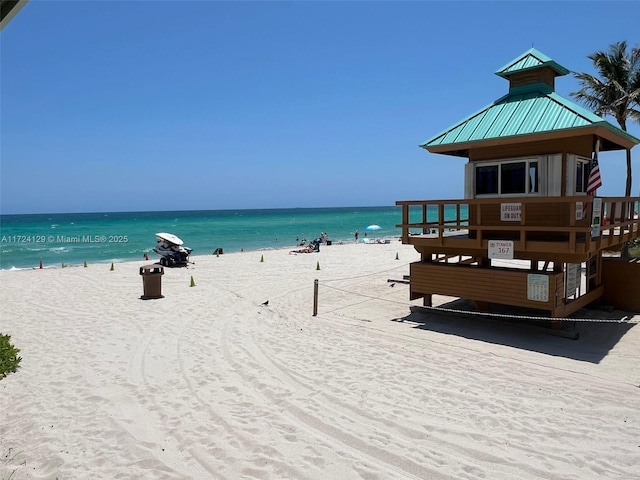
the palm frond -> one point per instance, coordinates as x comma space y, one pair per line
615, 90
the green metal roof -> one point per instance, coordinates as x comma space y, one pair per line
525, 110
530, 59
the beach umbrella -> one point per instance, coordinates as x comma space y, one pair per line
374, 227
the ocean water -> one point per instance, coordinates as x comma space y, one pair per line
73, 238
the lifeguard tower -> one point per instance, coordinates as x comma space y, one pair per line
526, 234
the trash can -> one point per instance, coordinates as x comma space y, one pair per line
152, 281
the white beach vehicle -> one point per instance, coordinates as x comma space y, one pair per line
171, 249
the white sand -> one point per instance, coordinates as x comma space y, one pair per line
207, 383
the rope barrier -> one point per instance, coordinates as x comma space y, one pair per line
483, 314
530, 318
366, 274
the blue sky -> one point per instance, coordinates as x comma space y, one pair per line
124, 106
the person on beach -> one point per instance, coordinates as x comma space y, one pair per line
308, 249
356, 235
313, 246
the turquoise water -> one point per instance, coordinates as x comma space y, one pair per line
74, 238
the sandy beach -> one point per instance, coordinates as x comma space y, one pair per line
212, 383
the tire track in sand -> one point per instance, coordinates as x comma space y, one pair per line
252, 365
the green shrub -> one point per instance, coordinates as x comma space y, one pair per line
9, 359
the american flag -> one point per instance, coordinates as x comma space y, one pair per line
595, 181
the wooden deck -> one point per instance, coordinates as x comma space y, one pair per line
454, 236
550, 228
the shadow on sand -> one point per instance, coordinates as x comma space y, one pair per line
587, 341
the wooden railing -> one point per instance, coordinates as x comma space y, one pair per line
523, 219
